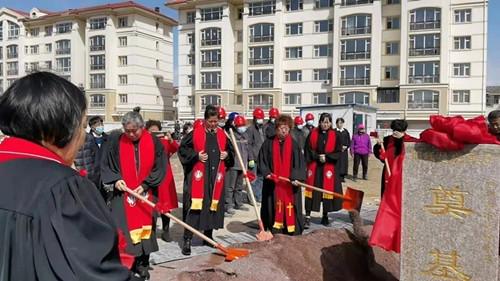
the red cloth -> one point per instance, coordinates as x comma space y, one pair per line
139, 214
198, 173
328, 168
283, 199
167, 195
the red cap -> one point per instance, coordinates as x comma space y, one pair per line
239, 121
221, 113
298, 120
258, 113
309, 116
274, 113
197, 123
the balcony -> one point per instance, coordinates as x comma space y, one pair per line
97, 104
354, 81
414, 52
12, 55
421, 105
356, 30
425, 25
260, 61
63, 70
211, 42
66, 51
209, 86
423, 79
261, 38
210, 63
260, 84
12, 71
355, 2
97, 66
97, 48
355, 55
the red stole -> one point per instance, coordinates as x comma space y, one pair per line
12, 148
283, 191
199, 171
167, 195
328, 168
138, 214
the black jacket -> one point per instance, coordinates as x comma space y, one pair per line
89, 158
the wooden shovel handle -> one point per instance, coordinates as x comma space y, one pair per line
317, 189
387, 167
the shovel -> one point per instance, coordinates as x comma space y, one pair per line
229, 253
381, 142
262, 235
353, 198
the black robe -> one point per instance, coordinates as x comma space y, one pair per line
329, 205
111, 173
270, 130
203, 219
343, 163
398, 143
298, 172
54, 225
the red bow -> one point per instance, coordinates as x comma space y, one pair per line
83, 173
251, 176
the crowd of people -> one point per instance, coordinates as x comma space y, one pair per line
65, 212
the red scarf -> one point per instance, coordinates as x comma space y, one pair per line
284, 200
328, 168
199, 172
12, 148
139, 215
167, 195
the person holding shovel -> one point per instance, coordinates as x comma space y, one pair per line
281, 156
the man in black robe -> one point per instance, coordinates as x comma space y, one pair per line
345, 140
266, 168
269, 127
134, 153
205, 153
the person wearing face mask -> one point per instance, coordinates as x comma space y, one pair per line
298, 133
269, 128
89, 156
309, 122
230, 121
345, 138
256, 137
233, 183
221, 115
361, 148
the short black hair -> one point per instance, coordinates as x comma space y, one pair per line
211, 111
399, 125
187, 126
340, 119
94, 120
493, 115
151, 123
325, 115
42, 107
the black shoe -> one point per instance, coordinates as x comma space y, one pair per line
143, 273
325, 221
307, 223
365, 178
165, 236
186, 248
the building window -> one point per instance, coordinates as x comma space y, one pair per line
356, 25
463, 16
425, 45
239, 35
48, 65
323, 74
157, 26
211, 36
190, 17
157, 64
462, 43
322, 98
293, 99
123, 98
355, 75
355, 49
13, 30
211, 58
322, 51
34, 32
34, 50
355, 97
10, 82
190, 38
123, 79
293, 52
97, 62
392, 2
423, 72
1, 30
391, 72
393, 23
323, 26
240, 13
239, 79
211, 80
461, 69
264, 102
261, 79
12, 52
157, 45
63, 65
239, 57
63, 47
262, 32
211, 14
48, 48
293, 75
425, 18
461, 96
123, 41
97, 101
48, 30
388, 95
190, 59
392, 48
97, 81
98, 43
12, 68
423, 99
355, 2
122, 22
63, 27
261, 55
294, 5
97, 23
190, 101
318, 4
293, 28
123, 61
191, 80
209, 100
262, 8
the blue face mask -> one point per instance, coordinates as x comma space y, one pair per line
242, 130
99, 130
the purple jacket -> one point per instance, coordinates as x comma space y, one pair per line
361, 144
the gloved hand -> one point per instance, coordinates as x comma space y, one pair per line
251, 164
251, 176
275, 178
382, 155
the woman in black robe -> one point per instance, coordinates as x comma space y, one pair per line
54, 224
345, 139
322, 158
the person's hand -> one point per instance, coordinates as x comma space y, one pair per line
344, 148
139, 189
382, 155
168, 137
397, 134
295, 183
275, 178
223, 155
322, 158
251, 164
202, 156
120, 185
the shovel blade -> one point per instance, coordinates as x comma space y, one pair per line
353, 199
233, 253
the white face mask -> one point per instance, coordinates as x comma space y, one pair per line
310, 122
221, 124
397, 134
242, 130
300, 127
99, 130
260, 121
272, 120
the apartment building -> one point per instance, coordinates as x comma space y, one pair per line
121, 54
407, 58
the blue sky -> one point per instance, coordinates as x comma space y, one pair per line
58, 5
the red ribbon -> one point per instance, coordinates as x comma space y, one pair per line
251, 176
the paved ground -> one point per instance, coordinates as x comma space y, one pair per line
242, 227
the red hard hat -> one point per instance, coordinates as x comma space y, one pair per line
274, 112
309, 116
221, 113
258, 113
197, 123
298, 120
239, 121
